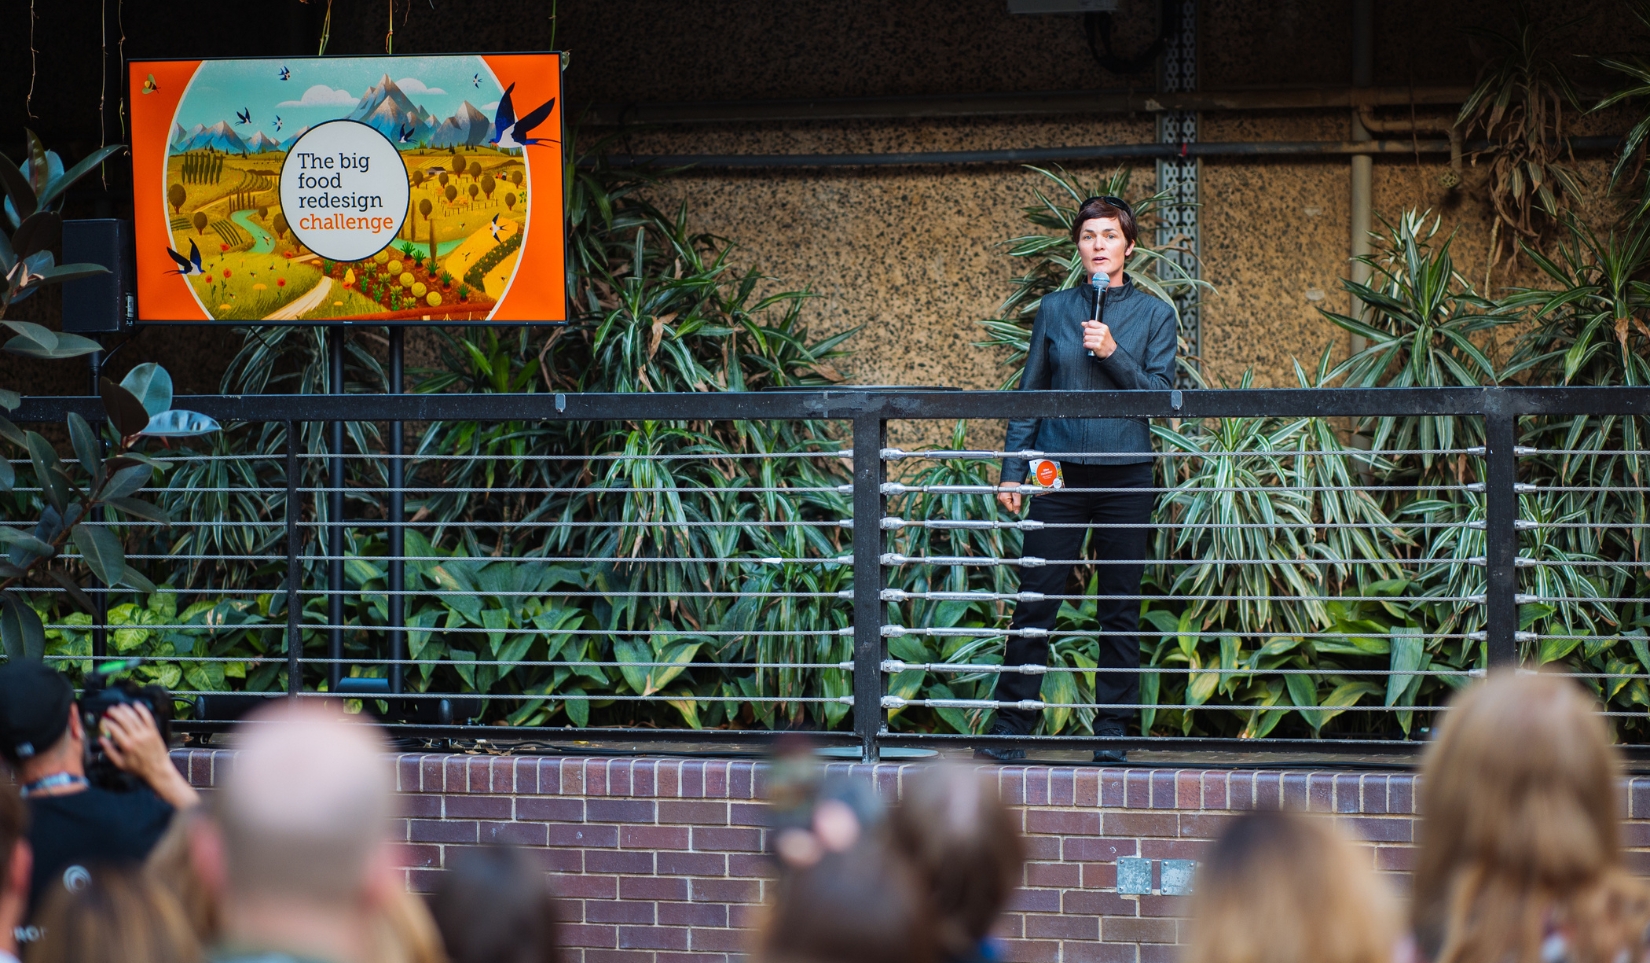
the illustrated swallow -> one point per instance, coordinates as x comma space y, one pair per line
494, 227
277, 123
475, 80
406, 134
187, 265
286, 74
243, 116
149, 85
509, 132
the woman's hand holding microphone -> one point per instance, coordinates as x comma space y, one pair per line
1097, 338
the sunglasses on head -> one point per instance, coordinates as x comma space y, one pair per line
1111, 199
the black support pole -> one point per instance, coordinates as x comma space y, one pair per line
1501, 538
398, 512
869, 433
335, 517
294, 605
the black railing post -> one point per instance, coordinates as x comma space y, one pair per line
398, 515
1501, 535
294, 606
335, 519
869, 432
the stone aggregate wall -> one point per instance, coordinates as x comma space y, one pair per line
662, 860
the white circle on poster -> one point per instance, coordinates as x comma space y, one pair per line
344, 190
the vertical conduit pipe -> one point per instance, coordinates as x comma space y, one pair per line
335, 516
398, 516
1363, 165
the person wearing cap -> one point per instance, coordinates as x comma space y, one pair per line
73, 824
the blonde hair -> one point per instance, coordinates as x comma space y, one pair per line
404, 932
1282, 887
1521, 831
117, 918
170, 866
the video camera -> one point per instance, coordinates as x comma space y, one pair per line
103, 692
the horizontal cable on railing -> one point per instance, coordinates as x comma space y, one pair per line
1523, 562
279, 659
443, 630
433, 523
702, 456
1031, 561
900, 488
897, 454
889, 631
843, 489
894, 522
895, 666
895, 702
901, 595
525, 696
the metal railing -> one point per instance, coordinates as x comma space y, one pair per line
881, 566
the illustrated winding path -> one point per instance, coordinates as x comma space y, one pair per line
304, 303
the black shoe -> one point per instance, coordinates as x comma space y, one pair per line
1000, 753
1111, 757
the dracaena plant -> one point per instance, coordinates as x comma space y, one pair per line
107, 470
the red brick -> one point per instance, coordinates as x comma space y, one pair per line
1142, 824
653, 837
1159, 953
1043, 847
617, 911
619, 810
1174, 848
1188, 790
691, 779
741, 780
516, 834
1063, 822
583, 835
1053, 874
441, 831
712, 839
559, 860
552, 808
618, 956
692, 864
1061, 927
1120, 930
1099, 953
747, 814
420, 806
1099, 875
1062, 787
653, 887
418, 857
653, 937
693, 812
1165, 784
1295, 792
1202, 825
1035, 900
614, 861
1398, 829
1086, 788
1113, 787
1137, 789
727, 941
744, 915
1027, 951
579, 934
1214, 791
693, 914
585, 886
750, 864
726, 891
1164, 906
1096, 849
1096, 904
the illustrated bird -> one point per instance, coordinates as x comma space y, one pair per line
187, 265
494, 227
286, 74
277, 123
243, 116
149, 85
406, 134
510, 132
475, 80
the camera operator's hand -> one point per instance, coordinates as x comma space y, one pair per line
134, 745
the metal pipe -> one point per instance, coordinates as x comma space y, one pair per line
1363, 166
335, 515
870, 437
1016, 104
1430, 125
397, 574
294, 572
678, 163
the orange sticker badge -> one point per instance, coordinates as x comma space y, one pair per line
1047, 473
372, 190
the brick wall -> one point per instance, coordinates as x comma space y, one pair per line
660, 860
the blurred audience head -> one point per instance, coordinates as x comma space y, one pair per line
493, 905
117, 917
404, 932
299, 850
966, 849
844, 896
1283, 887
16, 863
171, 866
1520, 838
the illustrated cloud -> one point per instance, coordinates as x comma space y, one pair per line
321, 95
491, 106
412, 85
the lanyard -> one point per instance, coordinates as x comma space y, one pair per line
53, 781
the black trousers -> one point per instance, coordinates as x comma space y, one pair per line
1118, 555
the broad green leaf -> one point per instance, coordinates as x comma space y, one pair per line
1407, 651
47, 470
87, 447
20, 629
126, 481
138, 508
151, 385
101, 551
124, 409
178, 423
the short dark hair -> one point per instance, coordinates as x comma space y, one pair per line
1105, 206
493, 905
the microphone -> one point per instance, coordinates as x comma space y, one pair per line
1100, 281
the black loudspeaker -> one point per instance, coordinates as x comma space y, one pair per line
104, 302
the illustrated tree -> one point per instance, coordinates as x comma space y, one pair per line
280, 225
263, 212
516, 178
175, 196
487, 185
509, 201
458, 164
442, 180
425, 207
450, 193
200, 222
473, 191
475, 170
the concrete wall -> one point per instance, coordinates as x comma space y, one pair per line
662, 860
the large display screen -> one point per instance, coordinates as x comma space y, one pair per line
349, 190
